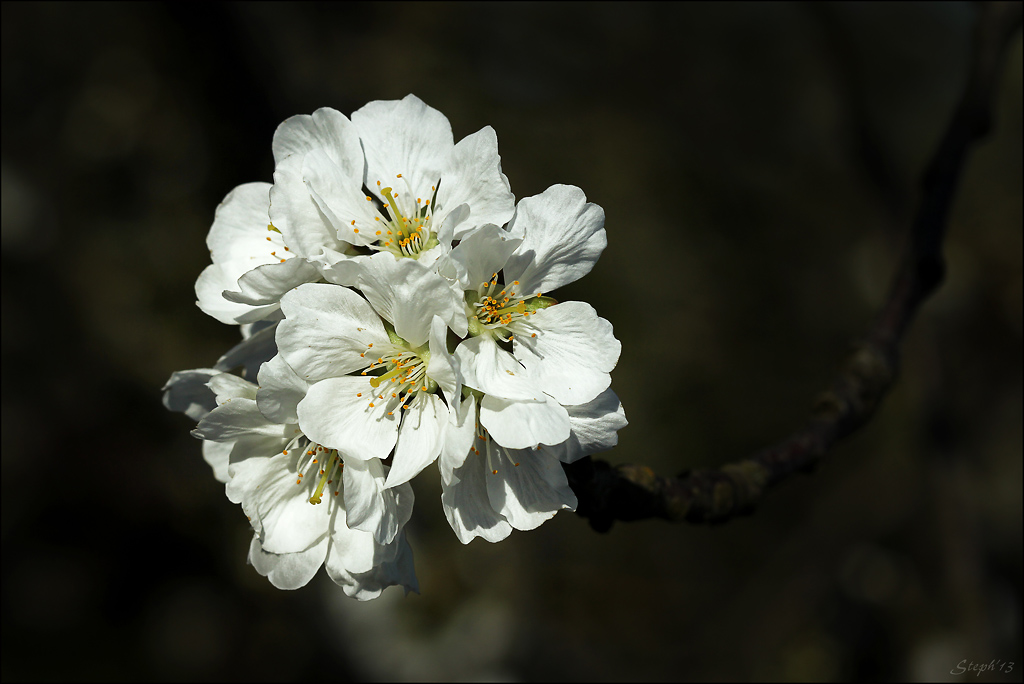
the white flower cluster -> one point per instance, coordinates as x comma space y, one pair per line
392, 302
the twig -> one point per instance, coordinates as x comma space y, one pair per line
631, 492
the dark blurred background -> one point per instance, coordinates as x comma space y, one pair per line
758, 165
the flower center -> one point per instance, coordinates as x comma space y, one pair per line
320, 461
404, 377
402, 226
494, 306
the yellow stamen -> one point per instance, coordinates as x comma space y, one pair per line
315, 499
375, 382
392, 205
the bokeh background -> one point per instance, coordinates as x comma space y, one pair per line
758, 165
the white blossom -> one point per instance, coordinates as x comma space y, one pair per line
492, 489
389, 181
530, 355
394, 322
337, 343
288, 486
252, 266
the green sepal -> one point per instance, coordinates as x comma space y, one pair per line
393, 336
542, 302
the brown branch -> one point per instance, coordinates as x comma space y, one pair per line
631, 492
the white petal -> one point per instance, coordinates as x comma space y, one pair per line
211, 284
572, 353
256, 349
253, 350
234, 419
227, 386
238, 242
187, 392
455, 217
431, 256
408, 295
290, 522
595, 427
404, 137
216, 454
256, 447
328, 130
419, 438
467, 506
344, 271
459, 435
265, 284
369, 585
280, 392
334, 415
481, 254
472, 176
239, 229
521, 424
528, 488
443, 368
353, 550
289, 570
326, 329
306, 231
487, 367
340, 199
370, 506
563, 235
246, 467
